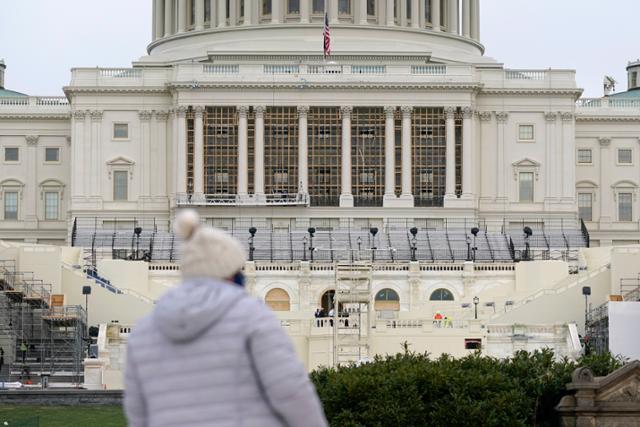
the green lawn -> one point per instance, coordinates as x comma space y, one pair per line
57, 416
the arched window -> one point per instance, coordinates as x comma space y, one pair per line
441, 295
326, 302
387, 300
278, 300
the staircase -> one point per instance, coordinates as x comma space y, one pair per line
352, 330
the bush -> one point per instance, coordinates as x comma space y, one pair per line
410, 389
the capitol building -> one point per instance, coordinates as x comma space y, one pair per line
405, 166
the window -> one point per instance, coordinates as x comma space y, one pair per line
120, 185
625, 209
371, 7
51, 154
266, 7
344, 7
293, 7
10, 205
634, 80
120, 131
525, 133
51, 206
318, 6
278, 300
387, 300
585, 206
585, 156
441, 295
625, 156
409, 9
526, 187
11, 154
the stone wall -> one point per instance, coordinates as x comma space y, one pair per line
61, 398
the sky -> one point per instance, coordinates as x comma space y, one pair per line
41, 40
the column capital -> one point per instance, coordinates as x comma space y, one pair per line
79, 114
32, 139
259, 110
502, 116
181, 111
550, 117
243, 110
407, 110
450, 112
485, 116
199, 111
567, 117
467, 113
145, 115
389, 111
96, 116
161, 115
303, 110
346, 111
604, 142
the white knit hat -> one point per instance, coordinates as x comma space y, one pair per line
207, 252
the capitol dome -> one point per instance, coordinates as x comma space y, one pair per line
442, 30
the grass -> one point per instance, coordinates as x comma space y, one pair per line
62, 416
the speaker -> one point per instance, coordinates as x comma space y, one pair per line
86, 290
586, 290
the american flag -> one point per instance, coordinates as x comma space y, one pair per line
327, 37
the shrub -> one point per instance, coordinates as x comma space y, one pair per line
410, 389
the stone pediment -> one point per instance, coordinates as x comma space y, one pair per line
526, 163
121, 161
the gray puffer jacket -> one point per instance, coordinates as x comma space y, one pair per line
210, 355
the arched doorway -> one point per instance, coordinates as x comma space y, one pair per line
327, 301
278, 300
387, 300
441, 295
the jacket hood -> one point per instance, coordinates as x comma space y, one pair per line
185, 312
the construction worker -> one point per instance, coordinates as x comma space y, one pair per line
23, 350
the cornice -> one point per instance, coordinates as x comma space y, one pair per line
461, 87
531, 91
35, 116
581, 118
102, 89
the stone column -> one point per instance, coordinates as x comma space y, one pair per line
435, 15
198, 154
390, 154
181, 144
407, 167
467, 160
168, 17
362, 13
158, 13
466, 18
145, 151
77, 159
305, 7
607, 199
259, 153
346, 197
222, 13
158, 177
243, 151
390, 13
568, 158
303, 151
96, 157
501, 119
415, 14
475, 19
450, 185
182, 16
199, 15
550, 125
276, 11
248, 13
453, 17
332, 10
30, 196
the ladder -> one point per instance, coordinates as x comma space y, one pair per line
353, 313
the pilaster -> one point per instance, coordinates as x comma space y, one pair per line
346, 197
198, 154
450, 183
407, 166
159, 156
181, 149
259, 153
243, 151
303, 151
96, 154
30, 199
501, 121
145, 152
389, 155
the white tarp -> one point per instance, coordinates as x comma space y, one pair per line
624, 329
10, 386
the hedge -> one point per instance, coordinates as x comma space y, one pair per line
411, 389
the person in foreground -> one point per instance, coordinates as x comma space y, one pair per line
211, 355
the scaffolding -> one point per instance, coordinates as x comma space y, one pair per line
353, 313
42, 340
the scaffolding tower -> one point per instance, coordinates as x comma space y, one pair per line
353, 313
41, 340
